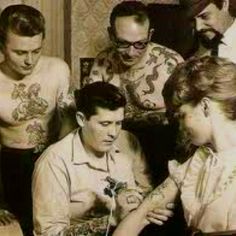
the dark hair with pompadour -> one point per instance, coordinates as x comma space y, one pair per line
22, 20
98, 94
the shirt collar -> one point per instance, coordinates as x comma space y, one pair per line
229, 34
79, 155
226, 156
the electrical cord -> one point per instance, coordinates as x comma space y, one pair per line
113, 191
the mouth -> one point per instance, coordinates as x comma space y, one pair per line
27, 67
108, 142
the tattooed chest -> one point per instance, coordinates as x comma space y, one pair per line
24, 103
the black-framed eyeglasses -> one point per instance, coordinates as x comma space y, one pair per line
125, 44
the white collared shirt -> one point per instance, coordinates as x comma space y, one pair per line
68, 185
227, 48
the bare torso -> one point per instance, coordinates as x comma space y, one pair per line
27, 106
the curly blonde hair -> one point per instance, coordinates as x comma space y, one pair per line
211, 77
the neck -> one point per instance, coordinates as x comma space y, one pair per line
224, 137
228, 22
9, 72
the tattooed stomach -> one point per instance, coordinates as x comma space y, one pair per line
26, 135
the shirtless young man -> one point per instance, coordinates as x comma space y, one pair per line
34, 92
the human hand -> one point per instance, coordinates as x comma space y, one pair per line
159, 216
127, 200
6, 217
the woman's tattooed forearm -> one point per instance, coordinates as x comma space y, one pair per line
159, 192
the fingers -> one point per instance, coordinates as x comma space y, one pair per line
6, 217
159, 216
134, 198
170, 206
155, 221
163, 212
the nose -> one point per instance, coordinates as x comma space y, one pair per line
28, 59
131, 51
198, 24
113, 131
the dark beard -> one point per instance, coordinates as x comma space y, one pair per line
209, 43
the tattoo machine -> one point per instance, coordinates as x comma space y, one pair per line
113, 186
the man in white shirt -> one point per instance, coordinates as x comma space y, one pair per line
215, 26
76, 180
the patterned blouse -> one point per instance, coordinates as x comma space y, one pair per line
207, 183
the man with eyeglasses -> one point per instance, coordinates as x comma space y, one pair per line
133, 63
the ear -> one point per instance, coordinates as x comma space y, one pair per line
110, 33
151, 31
225, 5
80, 118
205, 105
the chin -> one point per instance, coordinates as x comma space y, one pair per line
129, 64
104, 149
198, 142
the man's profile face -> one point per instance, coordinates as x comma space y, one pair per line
210, 22
127, 32
102, 129
22, 52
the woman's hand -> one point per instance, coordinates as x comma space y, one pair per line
159, 216
6, 217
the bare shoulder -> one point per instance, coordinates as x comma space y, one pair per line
167, 53
54, 64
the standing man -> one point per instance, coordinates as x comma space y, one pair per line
34, 93
76, 180
133, 63
215, 26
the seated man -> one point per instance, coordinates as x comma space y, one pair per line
76, 179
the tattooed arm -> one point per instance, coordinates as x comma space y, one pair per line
95, 226
65, 102
133, 224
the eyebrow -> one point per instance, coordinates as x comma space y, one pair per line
122, 40
20, 50
203, 14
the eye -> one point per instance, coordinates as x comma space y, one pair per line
119, 123
205, 16
105, 123
37, 51
20, 53
141, 44
122, 44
